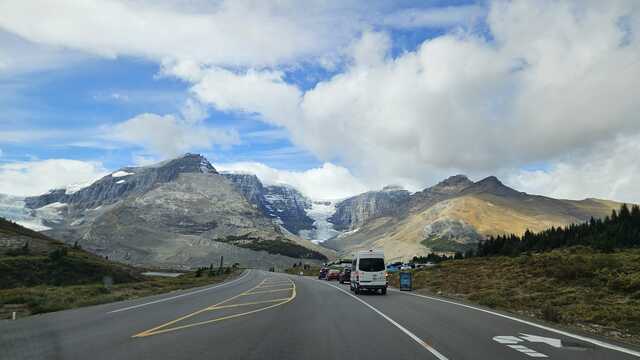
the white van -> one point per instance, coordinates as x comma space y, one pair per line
368, 272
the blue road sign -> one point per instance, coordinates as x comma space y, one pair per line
405, 281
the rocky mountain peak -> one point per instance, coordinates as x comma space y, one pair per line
452, 184
189, 163
493, 185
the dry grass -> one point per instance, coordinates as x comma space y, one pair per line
576, 287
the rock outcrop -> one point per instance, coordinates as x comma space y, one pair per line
283, 203
357, 210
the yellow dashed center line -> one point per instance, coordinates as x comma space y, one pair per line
165, 327
268, 291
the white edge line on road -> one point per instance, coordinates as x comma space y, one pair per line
179, 296
579, 337
413, 336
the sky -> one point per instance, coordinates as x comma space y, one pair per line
333, 97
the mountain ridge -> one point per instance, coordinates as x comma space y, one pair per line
180, 212
456, 213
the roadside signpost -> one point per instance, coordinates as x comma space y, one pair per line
405, 281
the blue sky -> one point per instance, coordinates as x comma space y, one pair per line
96, 92
348, 96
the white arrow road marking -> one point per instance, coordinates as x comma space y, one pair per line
527, 351
512, 341
507, 339
557, 343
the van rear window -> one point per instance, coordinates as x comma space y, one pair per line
371, 264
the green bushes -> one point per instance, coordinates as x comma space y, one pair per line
626, 283
274, 246
61, 267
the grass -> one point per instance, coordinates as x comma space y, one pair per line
438, 244
64, 266
46, 298
576, 287
45, 275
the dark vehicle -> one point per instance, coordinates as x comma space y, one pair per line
333, 274
323, 273
345, 275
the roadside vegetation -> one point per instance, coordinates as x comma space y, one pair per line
44, 275
276, 246
580, 287
305, 269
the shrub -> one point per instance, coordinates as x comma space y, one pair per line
551, 313
626, 283
58, 254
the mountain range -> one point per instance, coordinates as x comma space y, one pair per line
179, 213
184, 213
453, 215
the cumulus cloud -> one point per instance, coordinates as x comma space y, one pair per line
216, 33
255, 92
607, 171
168, 135
39, 176
327, 182
561, 81
541, 83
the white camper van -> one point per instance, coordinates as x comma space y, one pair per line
368, 272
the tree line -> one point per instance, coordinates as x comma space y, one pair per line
619, 230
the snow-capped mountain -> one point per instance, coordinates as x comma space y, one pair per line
283, 203
179, 212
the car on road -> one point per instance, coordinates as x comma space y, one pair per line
345, 275
368, 272
333, 274
405, 267
323, 273
394, 267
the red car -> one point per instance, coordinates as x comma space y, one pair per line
333, 274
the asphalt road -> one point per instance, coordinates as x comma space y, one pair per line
274, 316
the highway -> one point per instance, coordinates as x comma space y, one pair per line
263, 315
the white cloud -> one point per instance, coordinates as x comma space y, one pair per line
39, 176
434, 17
551, 79
169, 136
18, 56
260, 92
327, 182
607, 171
562, 80
193, 112
235, 33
